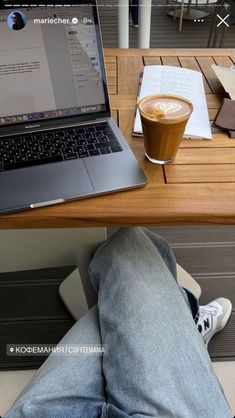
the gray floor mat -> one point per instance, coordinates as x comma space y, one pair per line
31, 312
208, 254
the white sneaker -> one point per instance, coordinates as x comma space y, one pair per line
213, 318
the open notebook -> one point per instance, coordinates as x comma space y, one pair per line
183, 82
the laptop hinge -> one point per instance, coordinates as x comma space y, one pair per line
54, 128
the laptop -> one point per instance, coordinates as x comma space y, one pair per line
58, 141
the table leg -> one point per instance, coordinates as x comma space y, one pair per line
213, 28
222, 37
181, 16
190, 14
189, 4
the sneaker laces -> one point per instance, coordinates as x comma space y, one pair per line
207, 310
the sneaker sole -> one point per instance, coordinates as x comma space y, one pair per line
224, 321
226, 318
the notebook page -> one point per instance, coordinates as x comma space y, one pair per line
185, 83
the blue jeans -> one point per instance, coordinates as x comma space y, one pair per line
157, 365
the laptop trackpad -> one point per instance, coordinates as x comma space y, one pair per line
42, 184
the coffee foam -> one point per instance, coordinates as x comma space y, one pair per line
166, 107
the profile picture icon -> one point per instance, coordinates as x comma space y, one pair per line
16, 20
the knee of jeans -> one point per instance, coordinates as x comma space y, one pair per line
112, 247
111, 411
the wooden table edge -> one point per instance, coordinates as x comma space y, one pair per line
178, 52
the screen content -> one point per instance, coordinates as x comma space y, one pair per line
49, 64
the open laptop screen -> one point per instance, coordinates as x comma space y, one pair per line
51, 64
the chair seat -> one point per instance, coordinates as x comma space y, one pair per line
185, 280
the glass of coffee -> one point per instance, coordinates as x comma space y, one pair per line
163, 117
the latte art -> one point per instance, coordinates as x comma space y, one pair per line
167, 107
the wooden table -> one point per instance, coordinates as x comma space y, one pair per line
198, 188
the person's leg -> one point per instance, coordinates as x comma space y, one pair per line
157, 364
67, 386
135, 11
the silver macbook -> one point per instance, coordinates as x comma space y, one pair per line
58, 141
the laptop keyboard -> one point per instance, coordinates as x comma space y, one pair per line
55, 146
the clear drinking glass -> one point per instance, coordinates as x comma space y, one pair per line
163, 117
